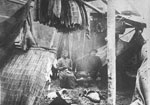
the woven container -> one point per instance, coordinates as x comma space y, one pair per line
24, 76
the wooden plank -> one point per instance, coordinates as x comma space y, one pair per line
30, 20
111, 53
92, 7
3, 16
148, 28
148, 45
21, 2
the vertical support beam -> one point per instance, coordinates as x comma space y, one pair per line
148, 32
148, 45
111, 53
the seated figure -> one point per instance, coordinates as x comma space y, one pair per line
89, 66
66, 75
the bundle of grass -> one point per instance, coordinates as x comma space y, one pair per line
23, 78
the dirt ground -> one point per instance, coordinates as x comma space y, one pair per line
123, 96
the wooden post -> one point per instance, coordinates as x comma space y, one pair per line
92, 7
111, 53
148, 45
148, 28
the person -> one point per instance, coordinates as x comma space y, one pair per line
94, 64
66, 75
90, 65
54, 69
141, 94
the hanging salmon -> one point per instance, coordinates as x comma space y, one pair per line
57, 8
75, 13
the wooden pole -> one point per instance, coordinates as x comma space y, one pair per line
148, 28
111, 53
92, 7
4, 16
30, 22
21, 2
148, 45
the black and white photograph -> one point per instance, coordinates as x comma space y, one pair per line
74, 52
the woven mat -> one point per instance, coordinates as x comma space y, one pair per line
23, 77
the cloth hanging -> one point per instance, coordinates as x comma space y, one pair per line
57, 8
11, 27
65, 15
20, 41
24, 39
75, 13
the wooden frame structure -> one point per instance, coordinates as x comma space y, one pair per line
111, 47
110, 43
111, 53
